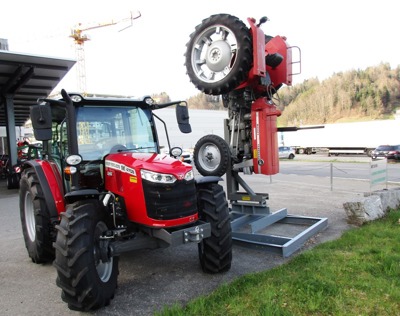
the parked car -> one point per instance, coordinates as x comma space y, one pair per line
388, 151
286, 152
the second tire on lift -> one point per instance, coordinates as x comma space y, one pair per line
211, 156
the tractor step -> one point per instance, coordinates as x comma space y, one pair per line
277, 232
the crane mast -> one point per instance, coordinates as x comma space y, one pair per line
79, 37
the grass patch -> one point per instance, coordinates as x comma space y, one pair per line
358, 274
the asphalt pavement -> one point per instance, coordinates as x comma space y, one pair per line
149, 280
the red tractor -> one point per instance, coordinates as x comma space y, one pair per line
102, 188
245, 66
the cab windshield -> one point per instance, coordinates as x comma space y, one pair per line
102, 130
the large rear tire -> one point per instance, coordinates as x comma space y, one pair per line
211, 156
219, 54
215, 252
87, 282
37, 228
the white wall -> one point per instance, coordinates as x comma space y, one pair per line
20, 132
361, 134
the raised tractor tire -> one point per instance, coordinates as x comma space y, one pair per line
215, 252
219, 54
87, 282
37, 229
211, 155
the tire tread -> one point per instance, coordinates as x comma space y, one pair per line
215, 252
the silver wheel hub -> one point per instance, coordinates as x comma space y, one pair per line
29, 213
104, 268
219, 56
209, 157
214, 53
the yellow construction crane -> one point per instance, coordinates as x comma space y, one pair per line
79, 37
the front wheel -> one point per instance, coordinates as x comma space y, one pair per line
35, 219
215, 252
211, 156
86, 277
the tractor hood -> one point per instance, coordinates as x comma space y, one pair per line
162, 163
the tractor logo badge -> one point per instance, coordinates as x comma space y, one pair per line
118, 166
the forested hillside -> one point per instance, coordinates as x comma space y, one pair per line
357, 95
373, 93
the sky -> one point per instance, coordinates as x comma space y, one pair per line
148, 57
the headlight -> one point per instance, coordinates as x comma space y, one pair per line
73, 160
149, 101
189, 175
157, 177
76, 98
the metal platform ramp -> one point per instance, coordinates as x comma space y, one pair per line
253, 225
278, 232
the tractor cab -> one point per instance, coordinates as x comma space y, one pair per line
78, 133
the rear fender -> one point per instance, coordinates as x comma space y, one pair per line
258, 36
281, 74
51, 184
278, 75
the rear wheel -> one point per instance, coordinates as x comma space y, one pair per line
211, 156
219, 54
35, 219
86, 276
215, 252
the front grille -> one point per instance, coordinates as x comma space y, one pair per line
170, 201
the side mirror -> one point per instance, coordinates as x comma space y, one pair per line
182, 116
41, 121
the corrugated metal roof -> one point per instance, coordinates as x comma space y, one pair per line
27, 78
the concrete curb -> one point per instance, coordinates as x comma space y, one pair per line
372, 206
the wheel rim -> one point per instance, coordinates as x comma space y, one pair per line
104, 269
214, 53
209, 157
29, 217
